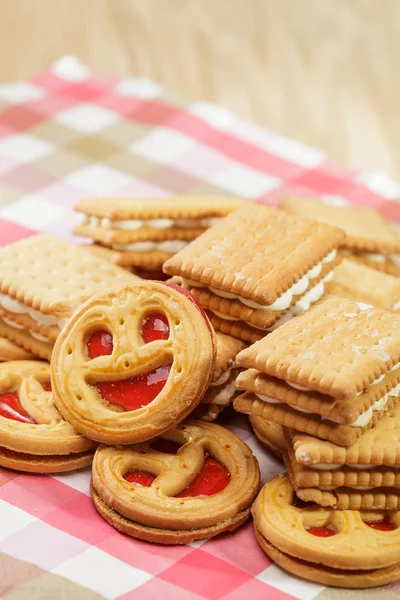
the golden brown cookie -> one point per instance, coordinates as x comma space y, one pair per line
361, 283
270, 434
350, 548
34, 436
60, 277
193, 482
25, 340
256, 264
132, 362
331, 372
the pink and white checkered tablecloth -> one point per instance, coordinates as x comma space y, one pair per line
69, 133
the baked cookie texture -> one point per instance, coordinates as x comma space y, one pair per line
176, 503
342, 548
136, 387
34, 436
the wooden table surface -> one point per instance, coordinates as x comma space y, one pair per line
326, 72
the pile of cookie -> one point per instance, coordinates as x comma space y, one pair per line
139, 369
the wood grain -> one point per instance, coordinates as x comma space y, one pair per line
322, 71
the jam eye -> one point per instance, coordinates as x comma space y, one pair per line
323, 531
386, 524
47, 386
212, 479
155, 327
10, 408
140, 478
100, 344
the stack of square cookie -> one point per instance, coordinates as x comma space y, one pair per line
42, 281
369, 238
331, 374
257, 268
145, 232
359, 282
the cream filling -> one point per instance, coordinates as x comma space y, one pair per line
361, 421
284, 300
16, 307
134, 224
171, 246
12, 323
225, 396
375, 382
222, 379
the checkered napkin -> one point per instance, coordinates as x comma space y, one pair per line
67, 134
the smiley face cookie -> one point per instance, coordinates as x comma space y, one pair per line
34, 436
133, 362
193, 482
342, 548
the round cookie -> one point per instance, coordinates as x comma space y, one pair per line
270, 434
352, 549
133, 362
193, 482
34, 436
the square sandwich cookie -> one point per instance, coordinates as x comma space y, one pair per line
369, 238
359, 282
258, 267
364, 476
37, 300
331, 372
145, 232
222, 388
25, 341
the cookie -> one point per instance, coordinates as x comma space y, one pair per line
361, 283
194, 482
41, 296
235, 329
270, 434
124, 258
385, 263
34, 436
26, 341
350, 549
366, 230
10, 351
145, 232
222, 388
132, 362
366, 475
257, 263
260, 319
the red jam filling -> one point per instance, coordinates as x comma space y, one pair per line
140, 478
192, 299
213, 478
385, 524
155, 327
321, 531
136, 392
165, 446
100, 344
10, 408
47, 386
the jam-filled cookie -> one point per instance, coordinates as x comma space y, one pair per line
33, 435
342, 548
193, 482
133, 362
